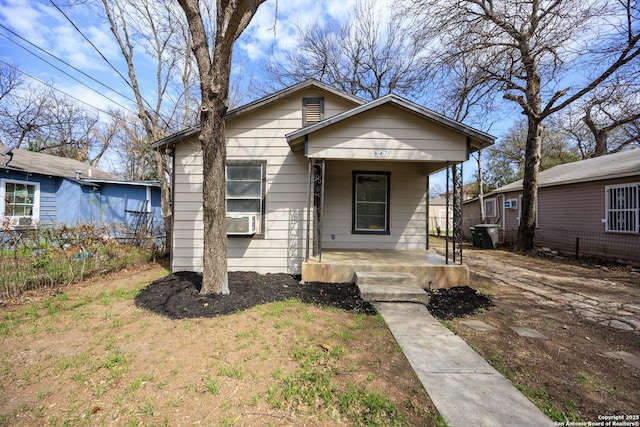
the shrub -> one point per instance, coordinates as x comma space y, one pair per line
61, 255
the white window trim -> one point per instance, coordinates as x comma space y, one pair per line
35, 217
608, 209
492, 202
537, 219
261, 221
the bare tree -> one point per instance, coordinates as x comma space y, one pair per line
214, 66
24, 112
529, 48
366, 55
152, 29
10, 80
612, 114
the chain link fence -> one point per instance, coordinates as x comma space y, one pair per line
576, 243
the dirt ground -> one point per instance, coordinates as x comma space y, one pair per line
145, 348
584, 310
54, 372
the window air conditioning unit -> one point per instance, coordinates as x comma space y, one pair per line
244, 225
21, 222
511, 204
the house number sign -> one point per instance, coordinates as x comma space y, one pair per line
380, 153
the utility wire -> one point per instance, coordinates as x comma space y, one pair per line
91, 43
70, 76
103, 57
67, 94
58, 59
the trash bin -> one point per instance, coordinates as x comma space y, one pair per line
474, 237
487, 235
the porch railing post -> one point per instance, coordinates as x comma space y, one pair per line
321, 208
309, 210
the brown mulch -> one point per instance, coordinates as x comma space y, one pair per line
178, 296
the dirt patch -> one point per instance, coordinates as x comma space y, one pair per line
584, 310
177, 296
90, 355
99, 353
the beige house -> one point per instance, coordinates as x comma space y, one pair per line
311, 169
585, 208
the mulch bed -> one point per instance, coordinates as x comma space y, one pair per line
452, 303
178, 296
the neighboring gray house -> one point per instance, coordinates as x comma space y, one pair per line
591, 207
360, 168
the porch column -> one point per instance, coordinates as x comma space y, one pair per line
315, 204
454, 202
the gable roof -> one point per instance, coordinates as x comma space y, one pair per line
290, 91
617, 165
46, 164
186, 133
482, 139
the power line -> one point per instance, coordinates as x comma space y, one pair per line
58, 59
92, 45
65, 93
104, 57
70, 76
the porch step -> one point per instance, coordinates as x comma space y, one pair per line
382, 286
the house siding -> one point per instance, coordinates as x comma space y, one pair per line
569, 220
398, 136
408, 206
258, 135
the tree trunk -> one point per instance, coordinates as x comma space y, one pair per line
214, 67
214, 276
526, 229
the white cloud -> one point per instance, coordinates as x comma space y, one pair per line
24, 18
259, 38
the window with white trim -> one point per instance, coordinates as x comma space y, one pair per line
371, 191
535, 220
245, 191
622, 208
20, 203
490, 208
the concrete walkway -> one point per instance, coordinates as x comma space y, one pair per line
465, 389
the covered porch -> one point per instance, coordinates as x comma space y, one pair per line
368, 192
430, 268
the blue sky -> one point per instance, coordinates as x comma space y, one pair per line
40, 27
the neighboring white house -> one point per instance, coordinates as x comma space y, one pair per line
361, 168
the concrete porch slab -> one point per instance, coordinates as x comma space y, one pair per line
430, 268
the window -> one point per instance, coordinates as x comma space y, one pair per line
245, 192
371, 202
20, 202
312, 110
490, 208
622, 208
535, 220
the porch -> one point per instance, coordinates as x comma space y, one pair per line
430, 268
